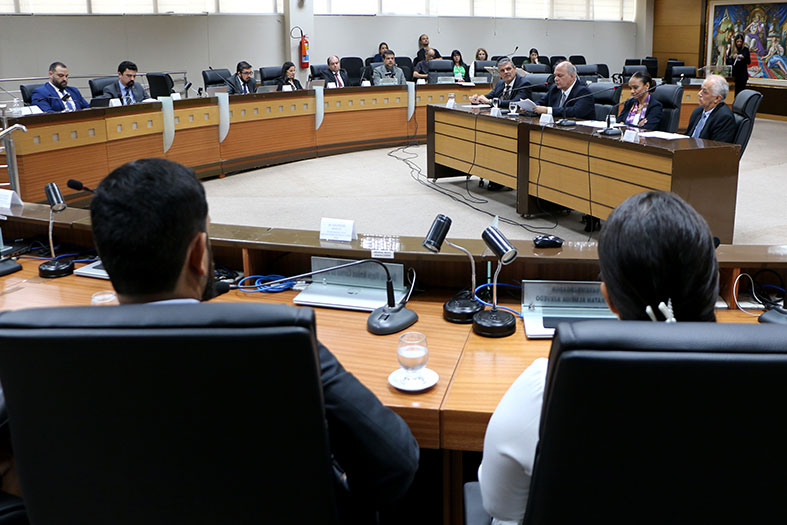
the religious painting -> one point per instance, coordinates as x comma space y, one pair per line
764, 30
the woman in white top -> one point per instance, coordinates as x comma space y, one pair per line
654, 249
480, 54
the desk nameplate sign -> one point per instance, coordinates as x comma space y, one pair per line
9, 198
337, 230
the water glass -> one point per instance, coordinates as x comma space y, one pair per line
412, 354
495, 102
512, 107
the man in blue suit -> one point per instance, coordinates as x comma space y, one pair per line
510, 88
567, 98
55, 96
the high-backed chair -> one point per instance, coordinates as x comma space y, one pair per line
97, 85
214, 77
543, 59
541, 82
662, 424
496, 58
577, 60
587, 73
671, 97
170, 413
630, 70
603, 70
652, 63
555, 60
480, 68
160, 84
744, 109
671, 62
633, 62
27, 92
683, 72
353, 66
606, 96
269, 74
537, 68
317, 70
518, 60
367, 61
404, 62
440, 68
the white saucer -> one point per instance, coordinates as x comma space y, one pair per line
429, 378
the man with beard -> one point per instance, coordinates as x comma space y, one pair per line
150, 226
55, 96
126, 88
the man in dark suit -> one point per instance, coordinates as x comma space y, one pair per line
567, 98
55, 96
713, 119
335, 74
510, 88
243, 81
126, 88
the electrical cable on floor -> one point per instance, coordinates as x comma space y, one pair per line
753, 292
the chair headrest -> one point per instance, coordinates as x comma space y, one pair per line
441, 65
669, 95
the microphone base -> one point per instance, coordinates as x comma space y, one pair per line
461, 311
610, 131
387, 320
566, 122
54, 268
494, 323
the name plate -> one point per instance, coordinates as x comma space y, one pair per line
337, 230
494, 112
9, 198
451, 104
545, 120
631, 135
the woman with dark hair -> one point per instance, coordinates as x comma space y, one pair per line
739, 57
380, 49
658, 262
532, 57
642, 110
461, 70
287, 78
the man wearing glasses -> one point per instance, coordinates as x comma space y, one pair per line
242, 82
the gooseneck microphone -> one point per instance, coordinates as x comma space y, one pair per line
78, 186
387, 319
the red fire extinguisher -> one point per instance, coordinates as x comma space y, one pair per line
303, 48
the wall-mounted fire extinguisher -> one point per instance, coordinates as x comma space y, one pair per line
303, 48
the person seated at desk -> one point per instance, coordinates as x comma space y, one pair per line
380, 49
56, 96
243, 81
150, 226
461, 70
287, 78
713, 119
335, 74
655, 249
126, 89
510, 88
532, 56
423, 44
567, 98
421, 70
642, 109
480, 54
389, 69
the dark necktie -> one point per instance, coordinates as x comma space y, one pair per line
563, 99
507, 92
127, 99
245, 88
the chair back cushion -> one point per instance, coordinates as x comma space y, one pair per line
541, 82
577, 60
670, 96
27, 92
269, 74
606, 95
97, 85
215, 77
537, 68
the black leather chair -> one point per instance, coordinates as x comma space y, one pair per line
671, 97
160, 84
215, 77
655, 423
541, 82
480, 68
496, 58
577, 60
606, 96
555, 60
353, 66
269, 74
171, 413
317, 70
671, 62
543, 59
633, 62
12, 510
537, 68
745, 110
603, 70
630, 70
652, 63
587, 73
97, 85
440, 68
404, 62
367, 61
27, 92
518, 60
683, 73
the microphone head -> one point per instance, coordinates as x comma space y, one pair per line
222, 287
75, 185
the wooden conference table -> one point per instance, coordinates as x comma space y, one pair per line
577, 168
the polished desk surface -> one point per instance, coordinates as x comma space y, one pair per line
474, 371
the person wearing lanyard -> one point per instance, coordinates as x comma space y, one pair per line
242, 82
335, 76
642, 110
126, 89
713, 119
56, 96
461, 70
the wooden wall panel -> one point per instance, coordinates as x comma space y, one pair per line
196, 147
363, 127
121, 151
263, 137
677, 31
85, 163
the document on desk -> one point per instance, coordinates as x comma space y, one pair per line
662, 135
598, 124
527, 105
479, 106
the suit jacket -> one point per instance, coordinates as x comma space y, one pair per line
380, 72
234, 86
282, 81
47, 98
519, 90
652, 113
329, 77
113, 91
579, 108
719, 126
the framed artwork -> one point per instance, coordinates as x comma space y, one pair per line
764, 30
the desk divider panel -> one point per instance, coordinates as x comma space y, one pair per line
134, 136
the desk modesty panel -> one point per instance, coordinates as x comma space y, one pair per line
577, 168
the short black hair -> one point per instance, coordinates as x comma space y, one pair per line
655, 247
241, 66
644, 77
144, 216
532, 50
55, 65
388, 52
284, 67
126, 64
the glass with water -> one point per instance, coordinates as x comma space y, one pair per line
495, 102
413, 354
